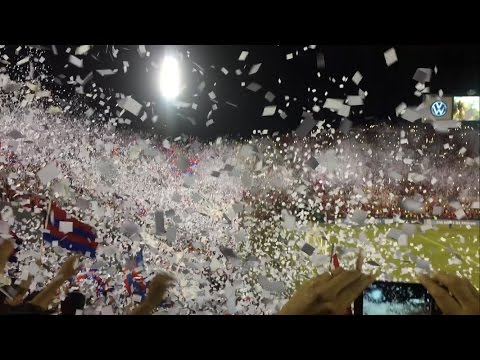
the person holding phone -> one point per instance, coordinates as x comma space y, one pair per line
453, 295
332, 293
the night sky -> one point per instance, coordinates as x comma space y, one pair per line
458, 73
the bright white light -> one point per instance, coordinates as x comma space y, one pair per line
170, 78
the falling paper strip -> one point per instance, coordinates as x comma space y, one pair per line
107, 72
333, 104
269, 110
412, 205
397, 235
344, 111
82, 49
4, 227
390, 56
437, 210
455, 204
425, 227
75, 61
269, 96
422, 75
243, 56
254, 87
15, 134
23, 61
227, 252
89, 112
306, 126
171, 234
48, 173
272, 286
182, 163
312, 162
254, 69
345, 126
159, 223
209, 122
357, 78
460, 214
410, 115
359, 216
320, 61
131, 105
82, 204
142, 51
444, 125
409, 229
288, 220
400, 109
129, 228
237, 207
308, 249
41, 94
354, 100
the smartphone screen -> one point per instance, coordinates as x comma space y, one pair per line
393, 298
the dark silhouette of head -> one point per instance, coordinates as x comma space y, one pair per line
73, 302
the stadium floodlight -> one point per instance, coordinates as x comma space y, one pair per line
170, 78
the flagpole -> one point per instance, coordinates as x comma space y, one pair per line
42, 248
331, 258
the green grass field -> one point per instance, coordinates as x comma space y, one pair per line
454, 250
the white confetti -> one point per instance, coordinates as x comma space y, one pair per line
82, 50
269, 110
75, 61
48, 173
66, 227
254, 87
243, 55
130, 105
23, 61
357, 77
390, 57
254, 69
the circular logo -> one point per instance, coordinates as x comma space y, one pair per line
439, 108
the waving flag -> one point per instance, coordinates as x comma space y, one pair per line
70, 233
134, 282
92, 275
334, 263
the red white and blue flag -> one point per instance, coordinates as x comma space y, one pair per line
81, 238
134, 281
102, 287
334, 262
